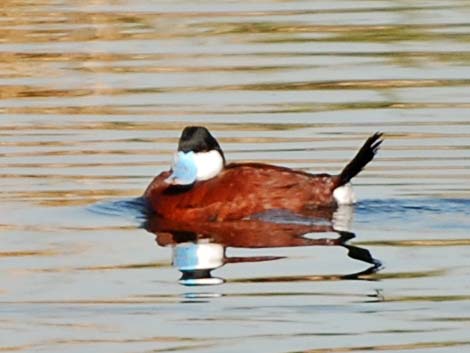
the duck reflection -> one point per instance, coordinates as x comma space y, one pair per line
200, 248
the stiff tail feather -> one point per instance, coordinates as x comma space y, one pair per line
364, 156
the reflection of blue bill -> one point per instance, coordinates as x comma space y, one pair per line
184, 169
185, 257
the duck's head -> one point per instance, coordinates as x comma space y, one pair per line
199, 157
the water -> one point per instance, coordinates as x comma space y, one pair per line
93, 96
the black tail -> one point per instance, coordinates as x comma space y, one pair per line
364, 156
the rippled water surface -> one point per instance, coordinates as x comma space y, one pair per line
93, 96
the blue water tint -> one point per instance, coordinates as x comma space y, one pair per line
422, 212
414, 206
137, 208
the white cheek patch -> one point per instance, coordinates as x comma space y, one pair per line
344, 195
209, 164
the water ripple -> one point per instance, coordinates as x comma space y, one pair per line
93, 97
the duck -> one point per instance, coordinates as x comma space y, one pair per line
202, 187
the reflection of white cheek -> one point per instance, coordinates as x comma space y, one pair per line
191, 256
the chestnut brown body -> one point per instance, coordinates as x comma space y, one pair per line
241, 190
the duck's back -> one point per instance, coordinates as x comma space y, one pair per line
241, 190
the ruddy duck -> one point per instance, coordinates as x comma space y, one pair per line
201, 187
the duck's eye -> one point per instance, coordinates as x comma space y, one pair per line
184, 170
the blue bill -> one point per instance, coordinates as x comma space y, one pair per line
184, 169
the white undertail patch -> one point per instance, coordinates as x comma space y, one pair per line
344, 195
